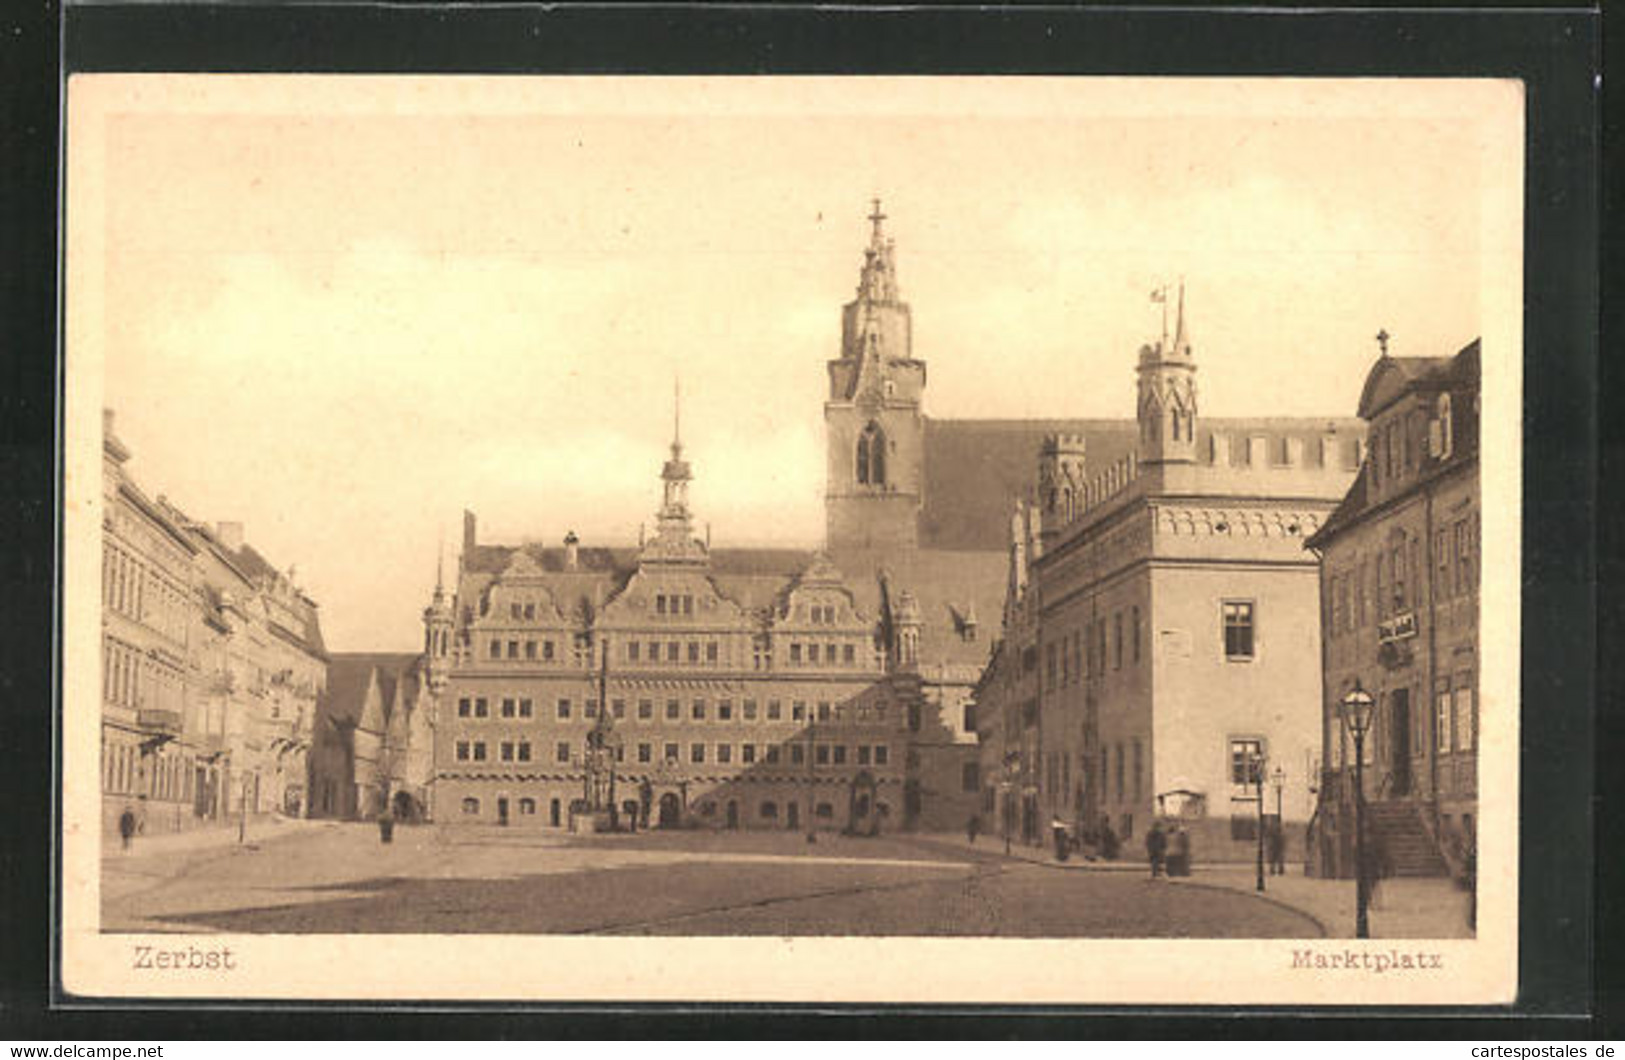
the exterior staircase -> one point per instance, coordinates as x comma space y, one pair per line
1411, 850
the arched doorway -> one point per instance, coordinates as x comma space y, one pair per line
404, 806
733, 814
670, 810
792, 816
862, 816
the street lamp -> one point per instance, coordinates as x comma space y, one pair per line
1258, 781
1277, 861
1355, 710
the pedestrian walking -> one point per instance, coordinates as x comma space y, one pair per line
1156, 846
1277, 849
126, 828
1179, 864
1108, 840
973, 826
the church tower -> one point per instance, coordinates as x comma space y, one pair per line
1167, 386
873, 424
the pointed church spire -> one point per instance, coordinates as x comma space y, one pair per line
440, 568
676, 415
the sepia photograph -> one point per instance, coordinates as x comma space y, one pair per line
972, 539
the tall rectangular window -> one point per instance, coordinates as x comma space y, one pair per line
1137, 634
564, 710
1117, 640
775, 710
1441, 718
645, 753
1238, 629
1246, 758
526, 708
1466, 719
696, 753
671, 752
646, 710
674, 710
561, 752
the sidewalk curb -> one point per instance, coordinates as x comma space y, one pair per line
1319, 924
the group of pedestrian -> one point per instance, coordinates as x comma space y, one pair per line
1169, 851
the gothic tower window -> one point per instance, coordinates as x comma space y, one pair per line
871, 462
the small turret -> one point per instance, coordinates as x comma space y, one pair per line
1167, 386
438, 619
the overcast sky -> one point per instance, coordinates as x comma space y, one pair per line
340, 311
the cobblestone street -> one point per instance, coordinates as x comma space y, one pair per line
338, 878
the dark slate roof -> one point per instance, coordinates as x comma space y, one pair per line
347, 675
975, 470
952, 589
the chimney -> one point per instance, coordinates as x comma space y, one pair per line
230, 535
571, 550
468, 533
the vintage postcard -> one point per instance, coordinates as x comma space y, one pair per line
948, 540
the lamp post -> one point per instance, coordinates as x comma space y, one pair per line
1278, 861
1355, 710
1258, 781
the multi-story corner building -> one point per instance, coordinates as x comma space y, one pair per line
1399, 600
212, 661
154, 762
1161, 635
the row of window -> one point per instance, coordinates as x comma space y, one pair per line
1082, 653
123, 773
132, 588
1387, 574
723, 753
685, 652
514, 649
521, 708
767, 810
131, 679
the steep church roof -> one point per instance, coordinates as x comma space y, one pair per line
974, 469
